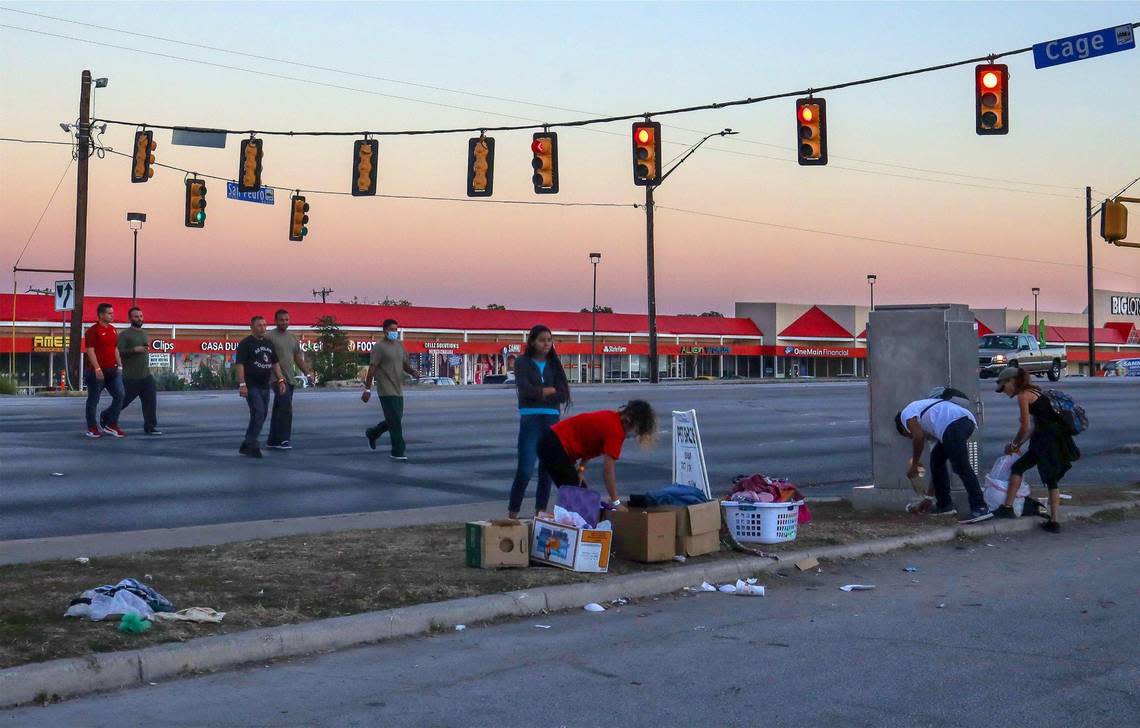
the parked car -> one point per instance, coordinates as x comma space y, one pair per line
508, 378
998, 351
438, 381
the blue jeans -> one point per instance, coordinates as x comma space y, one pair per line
112, 381
531, 430
953, 448
258, 400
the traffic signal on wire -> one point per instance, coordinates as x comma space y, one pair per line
811, 131
1113, 221
991, 94
646, 153
249, 167
364, 154
298, 218
480, 166
195, 203
143, 169
545, 149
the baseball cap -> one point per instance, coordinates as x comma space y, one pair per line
1006, 374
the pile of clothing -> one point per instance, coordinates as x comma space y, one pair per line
677, 494
128, 596
759, 488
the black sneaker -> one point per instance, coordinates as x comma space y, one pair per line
401, 458
977, 515
253, 452
284, 445
156, 433
371, 438
1051, 526
243, 449
949, 510
1004, 511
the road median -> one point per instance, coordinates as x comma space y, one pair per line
289, 623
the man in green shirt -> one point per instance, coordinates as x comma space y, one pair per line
134, 349
387, 364
288, 351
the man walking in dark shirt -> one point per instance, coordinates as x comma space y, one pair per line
256, 367
134, 350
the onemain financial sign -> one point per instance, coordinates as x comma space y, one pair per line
1086, 45
1125, 305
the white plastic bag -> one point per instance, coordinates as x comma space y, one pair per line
997, 483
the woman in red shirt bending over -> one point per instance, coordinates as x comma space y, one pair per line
568, 445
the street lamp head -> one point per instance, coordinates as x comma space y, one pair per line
728, 132
871, 278
101, 82
1036, 290
66, 127
136, 220
595, 258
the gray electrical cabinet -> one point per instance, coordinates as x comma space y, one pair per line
912, 350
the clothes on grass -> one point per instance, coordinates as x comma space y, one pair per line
129, 595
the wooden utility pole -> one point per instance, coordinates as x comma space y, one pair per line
83, 152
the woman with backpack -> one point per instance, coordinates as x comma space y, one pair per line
1051, 447
542, 390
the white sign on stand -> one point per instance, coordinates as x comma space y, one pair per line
688, 454
64, 300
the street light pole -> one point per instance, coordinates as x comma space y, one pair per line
135, 220
650, 283
595, 258
871, 280
1036, 292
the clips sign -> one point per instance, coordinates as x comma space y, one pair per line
1125, 305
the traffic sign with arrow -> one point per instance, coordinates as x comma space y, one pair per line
64, 301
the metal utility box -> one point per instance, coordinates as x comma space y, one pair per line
912, 350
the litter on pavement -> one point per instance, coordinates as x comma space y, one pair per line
911, 569
728, 588
84, 560
594, 607
856, 587
460, 627
749, 589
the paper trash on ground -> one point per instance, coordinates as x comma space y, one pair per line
728, 588
809, 563
594, 607
460, 627
856, 587
705, 587
749, 590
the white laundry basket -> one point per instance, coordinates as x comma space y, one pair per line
762, 522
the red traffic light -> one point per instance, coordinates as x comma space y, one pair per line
807, 114
537, 146
990, 79
644, 135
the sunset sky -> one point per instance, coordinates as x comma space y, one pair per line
905, 163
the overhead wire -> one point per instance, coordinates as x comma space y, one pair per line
46, 207
466, 92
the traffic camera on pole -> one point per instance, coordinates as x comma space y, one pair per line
298, 218
249, 167
195, 203
480, 166
991, 94
646, 153
142, 169
811, 130
364, 154
545, 149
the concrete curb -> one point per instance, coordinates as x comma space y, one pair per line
109, 671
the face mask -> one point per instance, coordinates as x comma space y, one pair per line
392, 335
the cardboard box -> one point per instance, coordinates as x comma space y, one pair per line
645, 534
567, 547
497, 544
698, 529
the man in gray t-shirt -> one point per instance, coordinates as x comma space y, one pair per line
288, 351
387, 365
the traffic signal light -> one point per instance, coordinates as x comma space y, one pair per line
480, 166
364, 154
142, 170
195, 203
249, 167
811, 130
298, 218
545, 162
646, 153
991, 92
1113, 221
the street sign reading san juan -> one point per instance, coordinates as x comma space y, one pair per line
1086, 45
263, 195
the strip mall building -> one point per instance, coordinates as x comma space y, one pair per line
762, 340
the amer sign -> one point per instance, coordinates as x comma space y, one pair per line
1125, 305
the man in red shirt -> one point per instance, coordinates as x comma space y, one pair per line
102, 369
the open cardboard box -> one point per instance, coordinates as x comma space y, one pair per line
567, 547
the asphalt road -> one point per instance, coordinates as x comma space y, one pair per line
461, 447
1031, 630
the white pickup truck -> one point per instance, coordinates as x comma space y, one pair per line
998, 351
